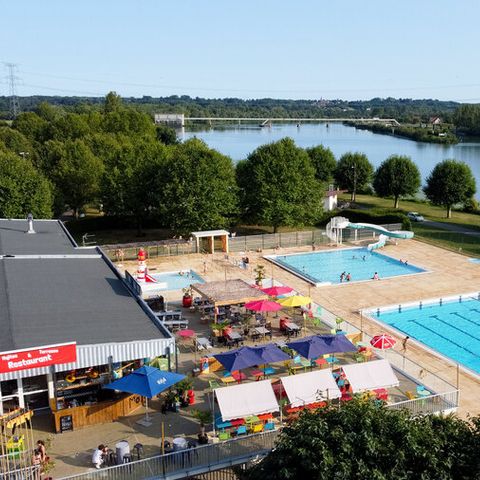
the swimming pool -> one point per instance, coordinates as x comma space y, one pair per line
175, 280
325, 267
451, 327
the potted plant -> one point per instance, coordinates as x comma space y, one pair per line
218, 328
204, 417
339, 322
182, 389
259, 274
187, 297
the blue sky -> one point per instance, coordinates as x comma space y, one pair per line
349, 49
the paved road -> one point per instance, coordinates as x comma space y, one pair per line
452, 228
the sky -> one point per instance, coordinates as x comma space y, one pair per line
348, 49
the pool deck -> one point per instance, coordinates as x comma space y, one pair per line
448, 274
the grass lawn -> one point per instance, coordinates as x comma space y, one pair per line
438, 214
467, 244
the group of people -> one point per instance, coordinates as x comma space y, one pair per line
345, 277
364, 257
405, 262
40, 454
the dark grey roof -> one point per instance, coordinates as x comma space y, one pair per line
50, 238
49, 301
52, 292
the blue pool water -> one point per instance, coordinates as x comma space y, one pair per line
327, 266
453, 328
175, 281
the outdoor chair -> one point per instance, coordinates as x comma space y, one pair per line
359, 358
242, 430
269, 426
410, 395
420, 388
257, 428
224, 436
213, 384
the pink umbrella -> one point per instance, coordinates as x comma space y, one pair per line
277, 291
186, 333
263, 306
382, 341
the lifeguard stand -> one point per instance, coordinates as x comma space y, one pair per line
210, 235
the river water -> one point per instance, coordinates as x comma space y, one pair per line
238, 141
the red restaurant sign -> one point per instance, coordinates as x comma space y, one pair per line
38, 357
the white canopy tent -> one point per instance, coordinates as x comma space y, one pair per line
370, 375
246, 399
310, 387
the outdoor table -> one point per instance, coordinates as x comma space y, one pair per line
269, 371
292, 328
331, 359
252, 419
204, 342
305, 363
258, 374
228, 379
239, 376
237, 422
263, 331
235, 336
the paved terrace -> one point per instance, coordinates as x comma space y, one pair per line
449, 273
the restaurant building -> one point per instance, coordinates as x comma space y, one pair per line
69, 324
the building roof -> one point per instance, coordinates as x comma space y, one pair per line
210, 233
51, 238
51, 292
230, 292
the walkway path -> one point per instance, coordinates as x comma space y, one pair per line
452, 227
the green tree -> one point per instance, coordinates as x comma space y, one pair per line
364, 441
113, 102
396, 177
196, 188
77, 175
278, 186
449, 183
354, 172
324, 162
166, 135
23, 189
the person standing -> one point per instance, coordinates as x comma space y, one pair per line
98, 457
404, 344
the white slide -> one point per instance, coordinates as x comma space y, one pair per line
384, 234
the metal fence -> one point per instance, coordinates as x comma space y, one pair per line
189, 462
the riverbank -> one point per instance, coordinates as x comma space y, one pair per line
442, 134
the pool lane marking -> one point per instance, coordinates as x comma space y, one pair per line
445, 338
468, 334
467, 319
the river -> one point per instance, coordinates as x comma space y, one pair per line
238, 141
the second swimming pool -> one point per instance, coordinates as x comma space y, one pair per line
177, 280
328, 265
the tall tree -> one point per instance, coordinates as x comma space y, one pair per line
450, 182
166, 135
113, 102
324, 162
278, 186
196, 188
364, 441
396, 177
23, 189
77, 175
354, 172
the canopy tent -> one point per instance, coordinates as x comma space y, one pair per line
247, 399
370, 375
229, 292
310, 387
316, 345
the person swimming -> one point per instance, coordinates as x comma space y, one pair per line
348, 277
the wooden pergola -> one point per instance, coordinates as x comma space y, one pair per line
229, 292
210, 235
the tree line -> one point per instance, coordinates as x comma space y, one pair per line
404, 110
53, 160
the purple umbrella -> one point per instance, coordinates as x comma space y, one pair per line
317, 345
239, 359
270, 353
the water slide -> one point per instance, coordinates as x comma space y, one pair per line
341, 223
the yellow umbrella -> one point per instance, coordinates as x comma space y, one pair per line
295, 301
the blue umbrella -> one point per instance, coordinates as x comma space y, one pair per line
147, 382
316, 345
239, 359
270, 353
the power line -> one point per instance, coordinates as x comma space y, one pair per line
12, 87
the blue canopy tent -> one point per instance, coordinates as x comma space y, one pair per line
147, 382
317, 345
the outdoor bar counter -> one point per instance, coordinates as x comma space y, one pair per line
102, 412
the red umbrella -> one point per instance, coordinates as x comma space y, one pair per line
382, 341
263, 306
277, 291
186, 333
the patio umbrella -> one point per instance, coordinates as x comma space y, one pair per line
383, 341
147, 382
317, 345
243, 357
263, 306
295, 301
277, 291
186, 333
270, 353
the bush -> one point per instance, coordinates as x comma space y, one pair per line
377, 216
470, 206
